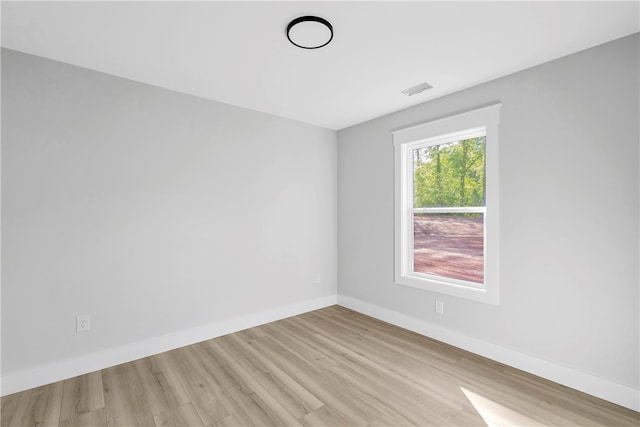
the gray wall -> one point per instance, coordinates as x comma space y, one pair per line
569, 192
150, 210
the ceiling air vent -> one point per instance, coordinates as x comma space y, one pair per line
417, 89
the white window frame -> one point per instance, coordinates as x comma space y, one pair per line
449, 129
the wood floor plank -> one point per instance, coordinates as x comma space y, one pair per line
372, 341
125, 398
326, 416
36, 407
97, 418
297, 400
49, 404
494, 385
237, 419
469, 418
409, 391
569, 399
160, 363
334, 396
498, 413
415, 406
159, 392
446, 400
402, 342
558, 415
327, 367
262, 396
375, 400
218, 392
10, 405
180, 416
81, 394
212, 392
295, 340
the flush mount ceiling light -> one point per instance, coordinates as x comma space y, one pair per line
309, 32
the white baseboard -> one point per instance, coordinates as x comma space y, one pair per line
14, 382
619, 394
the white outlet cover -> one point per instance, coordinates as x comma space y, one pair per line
83, 323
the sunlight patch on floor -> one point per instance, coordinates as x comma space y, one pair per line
496, 414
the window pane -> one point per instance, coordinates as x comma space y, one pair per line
450, 174
449, 245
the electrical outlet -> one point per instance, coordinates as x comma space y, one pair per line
318, 279
83, 323
439, 307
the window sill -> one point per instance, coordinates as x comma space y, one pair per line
474, 292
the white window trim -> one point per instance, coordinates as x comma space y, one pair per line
447, 128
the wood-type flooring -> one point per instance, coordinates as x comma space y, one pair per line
330, 367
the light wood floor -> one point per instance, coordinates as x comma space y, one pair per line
328, 367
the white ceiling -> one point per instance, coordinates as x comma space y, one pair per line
237, 52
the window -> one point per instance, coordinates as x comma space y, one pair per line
446, 205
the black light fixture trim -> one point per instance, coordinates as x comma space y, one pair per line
310, 19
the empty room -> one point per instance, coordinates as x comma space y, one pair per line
321, 213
